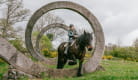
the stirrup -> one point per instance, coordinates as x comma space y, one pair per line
72, 62
65, 53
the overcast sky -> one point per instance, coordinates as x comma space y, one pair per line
119, 18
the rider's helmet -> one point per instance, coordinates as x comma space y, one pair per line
71, 25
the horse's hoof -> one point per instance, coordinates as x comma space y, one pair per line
79, 75
72, 63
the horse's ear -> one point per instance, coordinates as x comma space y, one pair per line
84, 32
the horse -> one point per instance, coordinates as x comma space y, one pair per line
78, 50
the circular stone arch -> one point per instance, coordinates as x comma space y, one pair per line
50, 26
93, 62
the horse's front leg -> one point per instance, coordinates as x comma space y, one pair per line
80, 66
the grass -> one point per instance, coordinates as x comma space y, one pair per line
3, 68
115, 70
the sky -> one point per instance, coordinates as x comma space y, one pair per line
119, 18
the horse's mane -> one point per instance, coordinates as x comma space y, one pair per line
82, 40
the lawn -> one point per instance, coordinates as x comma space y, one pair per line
115, 70
3, 69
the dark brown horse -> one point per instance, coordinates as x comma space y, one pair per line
77, 50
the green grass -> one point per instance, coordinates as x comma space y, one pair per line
115, 70
3, 68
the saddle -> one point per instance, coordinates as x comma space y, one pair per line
66, 44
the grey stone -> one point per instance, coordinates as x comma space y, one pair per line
93, 62
14, 74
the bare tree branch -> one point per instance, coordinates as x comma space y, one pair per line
14, 13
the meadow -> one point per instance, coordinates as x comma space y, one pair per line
115, 70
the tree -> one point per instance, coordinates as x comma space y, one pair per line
44, 42
46, 20
50, 36
13, 13
2, 1
119, 42
136, 44
7, 32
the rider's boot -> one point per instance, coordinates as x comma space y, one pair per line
66, 50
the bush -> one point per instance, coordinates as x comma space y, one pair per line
47, 53
107, 57
1, 60
18, 44
45, 42
50, 36
53, 54
87, 55
127, 53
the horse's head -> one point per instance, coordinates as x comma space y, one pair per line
88, 40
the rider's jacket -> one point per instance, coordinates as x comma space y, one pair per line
72, 35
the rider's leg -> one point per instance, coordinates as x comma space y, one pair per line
71, 55
68, 44
66, 49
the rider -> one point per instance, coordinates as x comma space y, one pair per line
72, 33
72, 36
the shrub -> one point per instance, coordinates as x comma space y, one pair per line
87, 55
107, 57
45, 42
1, 60
127, 53
47, 53
18, 44
104, 57
50, 36
53, 54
